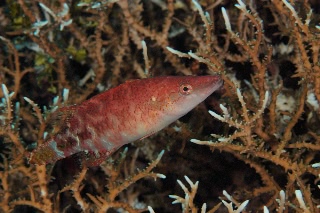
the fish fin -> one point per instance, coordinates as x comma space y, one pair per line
131, 80
144, 137
91, 159
73, 162
45, 153
52, 150
60, 119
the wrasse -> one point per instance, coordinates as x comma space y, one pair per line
131, 111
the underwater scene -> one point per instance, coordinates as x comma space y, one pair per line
160, 106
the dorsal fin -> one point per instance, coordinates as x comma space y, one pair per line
89, 158
131, 80
60, 118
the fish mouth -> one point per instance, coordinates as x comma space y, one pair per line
214, 83
218, 83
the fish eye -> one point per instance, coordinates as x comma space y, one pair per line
185, 89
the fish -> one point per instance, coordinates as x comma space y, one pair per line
134, 110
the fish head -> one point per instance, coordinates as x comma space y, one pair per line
184, 93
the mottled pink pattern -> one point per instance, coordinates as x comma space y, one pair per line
122, 115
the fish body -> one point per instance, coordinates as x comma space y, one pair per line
131, 111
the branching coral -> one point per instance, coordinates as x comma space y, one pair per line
260, 143
251, 136
252, 131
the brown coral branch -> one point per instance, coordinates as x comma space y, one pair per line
38, 205
288, 131
115, 189
299, 145
104, 205
44, 192
75, 187
4, 191
17, 74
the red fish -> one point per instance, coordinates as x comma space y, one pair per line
131, 111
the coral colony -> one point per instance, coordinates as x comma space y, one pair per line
83, 81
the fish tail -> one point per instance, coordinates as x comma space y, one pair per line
46, 153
